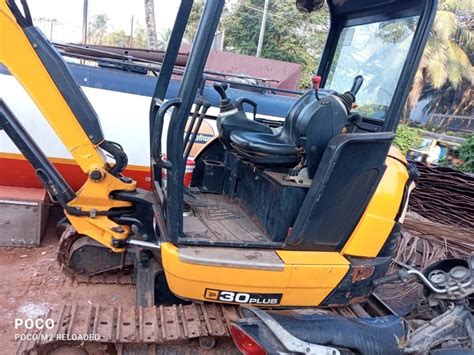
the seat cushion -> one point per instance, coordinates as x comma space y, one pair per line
262, 143
364, 336
238, 121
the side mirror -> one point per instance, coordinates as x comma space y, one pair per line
309, 5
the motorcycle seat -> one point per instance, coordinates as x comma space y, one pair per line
363, 335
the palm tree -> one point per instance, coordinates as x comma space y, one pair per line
150, 24
164, 38
98, 29
446, 62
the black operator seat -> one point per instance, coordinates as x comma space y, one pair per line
309, 126
272, 147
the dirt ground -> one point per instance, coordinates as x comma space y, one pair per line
31, 282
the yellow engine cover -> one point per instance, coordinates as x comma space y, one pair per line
377, 222
299, 279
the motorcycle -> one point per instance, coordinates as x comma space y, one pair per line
445, 327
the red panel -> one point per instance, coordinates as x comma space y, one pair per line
18, 172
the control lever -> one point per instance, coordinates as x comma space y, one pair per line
198, 103
316, 84
225, 104
205, 107
358, 81
349, 97
221, 89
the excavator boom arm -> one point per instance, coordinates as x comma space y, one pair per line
43, 73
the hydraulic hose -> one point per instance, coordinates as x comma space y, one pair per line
121, 159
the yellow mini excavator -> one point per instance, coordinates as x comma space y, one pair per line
306, 214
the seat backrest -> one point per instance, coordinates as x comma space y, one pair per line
288, 130
345, 181
316, 125
312, 123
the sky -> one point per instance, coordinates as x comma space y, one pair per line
68, 14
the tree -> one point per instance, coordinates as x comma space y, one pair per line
164, 38
449, 100
140, 39
99, 34
466, 153
406, 137
117, 38
446, 61
290, 35
151, 24
98, 29
193, 22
